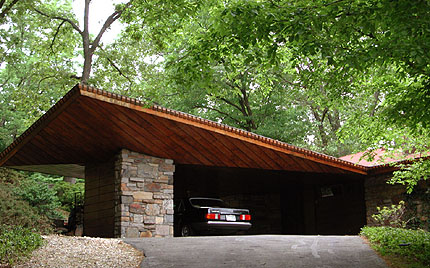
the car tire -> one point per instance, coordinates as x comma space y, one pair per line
186, 230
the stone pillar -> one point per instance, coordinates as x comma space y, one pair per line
143, 196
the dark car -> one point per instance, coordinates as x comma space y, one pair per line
198, 215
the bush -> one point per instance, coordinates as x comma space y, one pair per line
40, 196
66, 193
17, 243
409, 243
19, 212
391, 216
10, 176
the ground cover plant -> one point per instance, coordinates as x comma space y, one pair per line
29, 202
17, 244
412, 245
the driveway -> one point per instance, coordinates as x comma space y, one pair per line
257, 251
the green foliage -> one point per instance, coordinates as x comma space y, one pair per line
35, 72
17, 243
411, 173
70, 194
64, 191
40, 196
234, 81
17, 212
413, 244
418, 209
391, 216
371, 52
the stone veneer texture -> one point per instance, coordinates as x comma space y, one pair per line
380, 194
143, 196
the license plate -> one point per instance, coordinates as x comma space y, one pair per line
230, 217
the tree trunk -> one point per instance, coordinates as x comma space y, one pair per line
88, 58
86, 46
320, 120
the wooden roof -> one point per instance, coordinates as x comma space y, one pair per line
91, 125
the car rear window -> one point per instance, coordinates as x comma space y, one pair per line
216, 203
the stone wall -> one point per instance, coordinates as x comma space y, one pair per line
379, 194
144, 195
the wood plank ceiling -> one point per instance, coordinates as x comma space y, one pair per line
91, 125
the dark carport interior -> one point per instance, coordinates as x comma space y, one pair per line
281, 202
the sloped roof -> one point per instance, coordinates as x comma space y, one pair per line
382, 160
91, 125
379, 157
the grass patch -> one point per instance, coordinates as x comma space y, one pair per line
401, 247
17, 243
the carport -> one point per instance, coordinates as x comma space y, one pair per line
137, 158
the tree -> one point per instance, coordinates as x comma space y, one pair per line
291, 100
350, 37
354, 35
89, 45
226, 88
126, 66
39, 59
6, 7
35, 72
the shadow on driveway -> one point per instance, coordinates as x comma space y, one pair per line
257, 251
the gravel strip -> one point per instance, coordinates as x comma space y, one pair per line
69, 251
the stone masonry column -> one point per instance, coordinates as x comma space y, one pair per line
143, 195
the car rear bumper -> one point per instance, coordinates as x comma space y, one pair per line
223, 225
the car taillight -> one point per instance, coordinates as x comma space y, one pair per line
245, 217
212, 216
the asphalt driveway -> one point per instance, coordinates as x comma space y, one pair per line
257, 251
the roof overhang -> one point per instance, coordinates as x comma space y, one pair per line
90, 125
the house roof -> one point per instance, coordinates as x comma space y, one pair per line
377, 157
91, 125
381, 160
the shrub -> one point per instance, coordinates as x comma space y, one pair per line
67, 192
64, 191
391, 216
10, 176
40, 196
409, 243
17, 243
18, 212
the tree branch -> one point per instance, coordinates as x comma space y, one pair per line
2, 3
229, 103
220, 112
60, 18
111, 19
375, 103
117, 68
291, 83
5, 82
55, 36
7, 9
74, 76
41, 80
